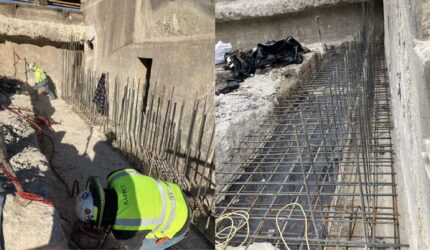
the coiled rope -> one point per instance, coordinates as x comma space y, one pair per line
225, 235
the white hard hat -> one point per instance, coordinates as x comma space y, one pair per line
31, 66
85, 209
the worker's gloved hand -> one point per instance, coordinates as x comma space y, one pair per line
84, 236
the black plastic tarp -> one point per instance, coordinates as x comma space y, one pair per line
286, 51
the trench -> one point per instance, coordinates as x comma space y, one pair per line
326, 146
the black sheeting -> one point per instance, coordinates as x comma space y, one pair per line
286, 51
10, 85
100, 96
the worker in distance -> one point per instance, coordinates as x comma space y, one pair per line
135, 211
40, 80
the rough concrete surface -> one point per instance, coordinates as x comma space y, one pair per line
239, 113
38, 225
36, 29
35, 226
408, 63
335, 22
243, 9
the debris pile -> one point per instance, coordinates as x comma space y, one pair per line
244, 64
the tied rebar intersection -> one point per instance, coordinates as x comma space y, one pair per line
326, 146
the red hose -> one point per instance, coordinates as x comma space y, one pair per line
32, 123
34, 197
22, 194
46, 122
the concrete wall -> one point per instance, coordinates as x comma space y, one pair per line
408, 57
337, 22
177, 35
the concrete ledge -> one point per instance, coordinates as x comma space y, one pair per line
34, 29
40, 23
245, 9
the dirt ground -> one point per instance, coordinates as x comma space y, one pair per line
79, 152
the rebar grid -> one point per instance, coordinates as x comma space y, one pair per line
327, 146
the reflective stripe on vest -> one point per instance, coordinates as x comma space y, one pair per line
163, 204
172, 206
117, 175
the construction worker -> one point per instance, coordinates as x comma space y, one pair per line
134, 212
40, 80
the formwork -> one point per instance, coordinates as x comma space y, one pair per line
327, 148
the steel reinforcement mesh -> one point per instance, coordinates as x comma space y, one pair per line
326, 146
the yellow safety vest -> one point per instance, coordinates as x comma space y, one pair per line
145, 203
39, 74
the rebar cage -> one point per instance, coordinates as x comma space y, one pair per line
326, 146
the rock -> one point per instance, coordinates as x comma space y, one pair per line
35, 226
